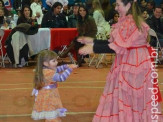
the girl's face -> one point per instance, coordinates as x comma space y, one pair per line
145, 14
116, 16
82, 12
26, 12
1, 4
121, 8
52, 64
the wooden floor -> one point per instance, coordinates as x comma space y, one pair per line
80, 93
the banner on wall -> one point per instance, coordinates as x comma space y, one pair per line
7, 4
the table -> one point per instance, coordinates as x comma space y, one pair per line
44, 39
62, 36
40, 40
6, 33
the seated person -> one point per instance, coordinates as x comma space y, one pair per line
26, 16
114, 19
145, 14
4, 23
54, 18
86, 27
156, 23
2, 6
72, 19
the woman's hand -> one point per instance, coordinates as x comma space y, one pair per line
87, 49
85, 40
72, 66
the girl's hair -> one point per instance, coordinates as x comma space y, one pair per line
79, 16
98, 7
22, 11
135, 11
44, 56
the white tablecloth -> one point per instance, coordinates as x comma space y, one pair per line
40, 40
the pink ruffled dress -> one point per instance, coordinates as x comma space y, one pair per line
126, 96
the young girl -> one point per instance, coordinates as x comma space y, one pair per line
130, 93
48, 104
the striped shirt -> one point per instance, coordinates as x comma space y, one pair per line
62, 73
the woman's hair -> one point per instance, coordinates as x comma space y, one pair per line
44, 56
22, 11
98, 7
3, 5
56, 4
135, 11
34, 0
86, 16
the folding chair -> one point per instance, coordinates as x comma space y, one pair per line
69, 54
3, 56
158, 45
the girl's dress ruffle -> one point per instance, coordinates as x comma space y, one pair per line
49, 114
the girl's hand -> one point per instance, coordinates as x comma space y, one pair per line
85, 40
72, 66
38, 14
87, 49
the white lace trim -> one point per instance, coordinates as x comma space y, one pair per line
47, 114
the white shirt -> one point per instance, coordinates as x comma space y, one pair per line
36, 8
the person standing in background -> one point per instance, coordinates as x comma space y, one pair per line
37, 11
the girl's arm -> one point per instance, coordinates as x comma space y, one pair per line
63, 76
61, 68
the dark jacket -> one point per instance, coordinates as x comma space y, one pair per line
72, 21
156, 25
52, 21
1, 20
22, 19
88, 28
23, 27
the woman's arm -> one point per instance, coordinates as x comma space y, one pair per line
102, 48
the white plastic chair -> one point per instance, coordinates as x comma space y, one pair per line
158, 45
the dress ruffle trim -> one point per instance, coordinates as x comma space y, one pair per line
48, 114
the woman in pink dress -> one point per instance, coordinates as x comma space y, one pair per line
130, 93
